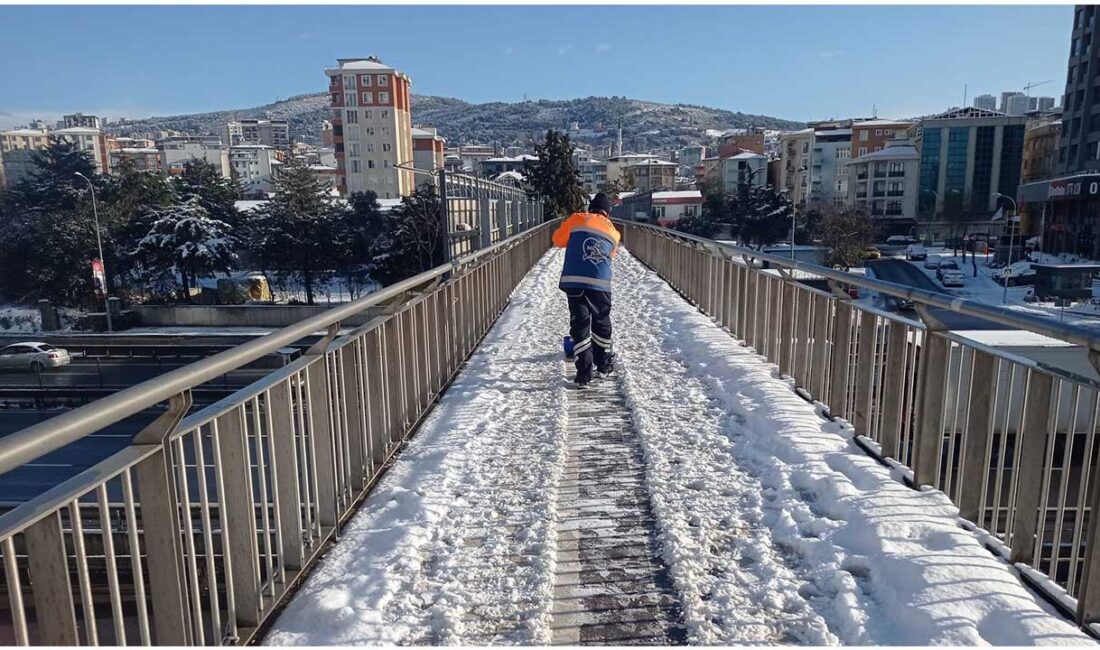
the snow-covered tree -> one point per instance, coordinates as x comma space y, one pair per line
760, 215
294, 232
411, 239
184, 242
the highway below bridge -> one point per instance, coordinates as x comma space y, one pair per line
903, 272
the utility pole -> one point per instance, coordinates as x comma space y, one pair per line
99, 245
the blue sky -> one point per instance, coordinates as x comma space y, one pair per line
788, 61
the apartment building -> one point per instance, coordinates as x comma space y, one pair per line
794, 154
885, 184
745, 168
81, 120
869, 136
829, 154
90, 140
616, 164
144, 159
593, 172
497, 165
17, 148
735, 141
271, 133
1040, 158
372, 127
987, 102
650, 175
255, 166
177, 150
428, 148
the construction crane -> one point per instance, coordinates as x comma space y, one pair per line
1030, 85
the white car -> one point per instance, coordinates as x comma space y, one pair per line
932, 262
34, 356
953, 279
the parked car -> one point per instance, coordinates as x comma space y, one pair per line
1019, 273
916, 253
900, 240
34, 356
945, 267
932, 262
953, 279
871, 253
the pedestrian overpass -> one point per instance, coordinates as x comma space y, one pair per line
206, 529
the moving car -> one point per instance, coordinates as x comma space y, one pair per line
953, 279
932, 262
34, 356
916, 253
871, 253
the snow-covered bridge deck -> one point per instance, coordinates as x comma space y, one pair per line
771, 525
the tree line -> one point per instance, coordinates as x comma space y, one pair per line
162, 234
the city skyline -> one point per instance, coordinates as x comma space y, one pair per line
859, 59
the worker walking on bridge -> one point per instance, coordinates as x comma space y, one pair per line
590, 241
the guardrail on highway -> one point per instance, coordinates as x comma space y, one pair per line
1012, 442
194, 533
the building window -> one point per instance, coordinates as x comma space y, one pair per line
370, 164
385, 114
843, 153
806, 147
878, 131
368, 99
364, 80
369, 115
349, 82
383, 80
353, 149
370, 131
383, 98
352, 117
370, 147
385, 130
355, 167
863, 150
864, 134
349, 99
385, 146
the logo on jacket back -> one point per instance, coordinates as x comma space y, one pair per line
595, 251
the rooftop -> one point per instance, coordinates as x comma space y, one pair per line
891, 153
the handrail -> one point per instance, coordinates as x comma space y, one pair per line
993, 313
50, 435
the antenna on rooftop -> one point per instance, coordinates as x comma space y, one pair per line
965, 93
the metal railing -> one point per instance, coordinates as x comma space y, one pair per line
195, 532
480, 212
1013, 442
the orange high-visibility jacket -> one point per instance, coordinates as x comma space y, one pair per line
590, 241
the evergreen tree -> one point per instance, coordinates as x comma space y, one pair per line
217, 193
356, 231
411, 239
845, 232
293, 234
184, 242
554, 178
713, 215
761, 216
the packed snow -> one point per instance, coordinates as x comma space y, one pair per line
775, 527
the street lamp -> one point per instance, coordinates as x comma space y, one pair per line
1011, 244
783, 192
99, 244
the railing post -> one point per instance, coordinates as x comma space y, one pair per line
286, 472
1088, 595
935, 354
161, 527
1035, 436
445, 216
865, 373
356, 431
485, 222
320, 411
820, 351
47, 563
238, 517
786, 297
979, 425
893, 384
838, 367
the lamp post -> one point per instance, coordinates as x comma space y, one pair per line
1011, 243
99, 245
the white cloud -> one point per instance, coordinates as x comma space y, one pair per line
603, 47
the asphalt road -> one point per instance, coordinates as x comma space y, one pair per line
113, 373
903, 272
35, 478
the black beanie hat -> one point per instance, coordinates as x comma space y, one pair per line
600, 202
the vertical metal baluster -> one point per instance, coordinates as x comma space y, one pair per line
305, 461
1063, 478
207, 531
261, 476
228, 561
15, 594
135, 559
190, 558
87, 605
1083, 491
112, 565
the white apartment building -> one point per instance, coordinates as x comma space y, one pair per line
886, 184
616, 164
829, 155
16, 153
177, 150
372, 127
794, 155
255, 166
747, 167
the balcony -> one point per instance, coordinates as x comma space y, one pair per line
896, 174
895, 193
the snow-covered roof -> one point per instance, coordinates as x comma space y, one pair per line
968, 111
744, 155
322, 168
388, 204
678, 194
76, 130
800, 132
882, 122
25, 132
829, 132
137, 150
903, 152
509, 175
248, 206
361, 64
